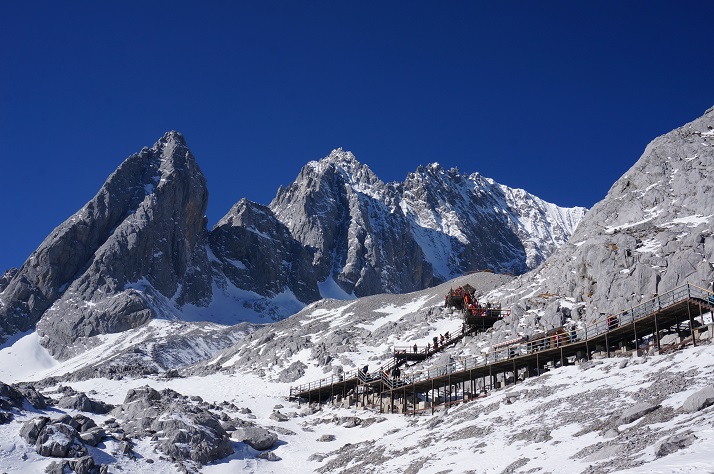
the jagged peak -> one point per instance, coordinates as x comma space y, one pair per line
234, 216
345, 163
169, 138
434, 167
340, 158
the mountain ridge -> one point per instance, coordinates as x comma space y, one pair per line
141, 249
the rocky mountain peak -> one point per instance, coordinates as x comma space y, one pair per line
350, 171
140, 248
170, 138
137, 246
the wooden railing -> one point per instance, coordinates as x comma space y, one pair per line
564, 338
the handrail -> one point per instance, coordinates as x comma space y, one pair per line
632, 315
430, 349
636, 313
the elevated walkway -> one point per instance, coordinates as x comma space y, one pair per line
424, 389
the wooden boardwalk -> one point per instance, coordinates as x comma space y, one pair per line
459, 380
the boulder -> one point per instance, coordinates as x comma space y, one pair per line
81, 402
182, 429
255, 437
93, 436
268, 456
82, 423
31, 429
277, 416
636, 412
59, 440
197, 436
699, 400
675, 443
83, 465
35, 398
10, 397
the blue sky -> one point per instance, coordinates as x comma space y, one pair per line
557, 97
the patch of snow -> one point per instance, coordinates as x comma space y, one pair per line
330, 289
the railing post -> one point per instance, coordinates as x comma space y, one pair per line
634, 329
691, 324
515, 374
656, 331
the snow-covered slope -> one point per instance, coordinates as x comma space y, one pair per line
632, 413
626, 414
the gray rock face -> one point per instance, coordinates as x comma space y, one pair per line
277, 416
14, 399
93, 436
31, 429
197, 436
10, 397
342, 210
83, 465
373, 237
675, 443
488, 225
139, 242
256, 251
59, 440
636, 412
81, 402
651, 233
35, 398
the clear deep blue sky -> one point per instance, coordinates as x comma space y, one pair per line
557, 97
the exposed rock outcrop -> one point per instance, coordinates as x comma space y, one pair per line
79, 401
14, 399
699, 400
255, 250
651, 233
181, 429
138, 244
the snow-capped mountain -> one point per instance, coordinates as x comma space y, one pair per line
440, 223
338, 208
134, 401
468, 222
140, 248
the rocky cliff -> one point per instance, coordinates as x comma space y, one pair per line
651, 233
141, 239
373, 237
342, 211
